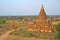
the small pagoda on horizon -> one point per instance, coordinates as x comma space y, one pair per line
41, 24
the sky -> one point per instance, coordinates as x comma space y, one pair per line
28, 7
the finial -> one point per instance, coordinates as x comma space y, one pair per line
42, 6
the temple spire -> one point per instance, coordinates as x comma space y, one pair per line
42, 13
41, 24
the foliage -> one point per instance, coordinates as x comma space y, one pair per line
58, 27
58, 30
58, 35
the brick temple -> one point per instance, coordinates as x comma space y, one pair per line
41, 24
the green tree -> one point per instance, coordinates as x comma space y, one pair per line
58, 30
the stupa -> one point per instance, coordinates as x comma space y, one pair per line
41, 24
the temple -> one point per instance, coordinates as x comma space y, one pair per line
41, 24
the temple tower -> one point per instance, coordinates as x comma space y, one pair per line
42, 24
42, 14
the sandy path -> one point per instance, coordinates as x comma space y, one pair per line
5, 35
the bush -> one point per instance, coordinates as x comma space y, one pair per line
29, 34
2, 21
0, 26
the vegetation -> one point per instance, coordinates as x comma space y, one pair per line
24, 33
4, 26
0, 26
2, 21
58, 30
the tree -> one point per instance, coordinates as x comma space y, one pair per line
58, 27
58, 30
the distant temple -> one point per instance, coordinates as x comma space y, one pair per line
41, 24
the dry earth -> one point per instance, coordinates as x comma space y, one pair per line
5, 35
12, 37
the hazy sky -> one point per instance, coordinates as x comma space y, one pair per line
29, 7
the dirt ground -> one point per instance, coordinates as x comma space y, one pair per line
12, 37
5, 35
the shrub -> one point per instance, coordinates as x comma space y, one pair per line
2, 21
29, 34
0, 26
